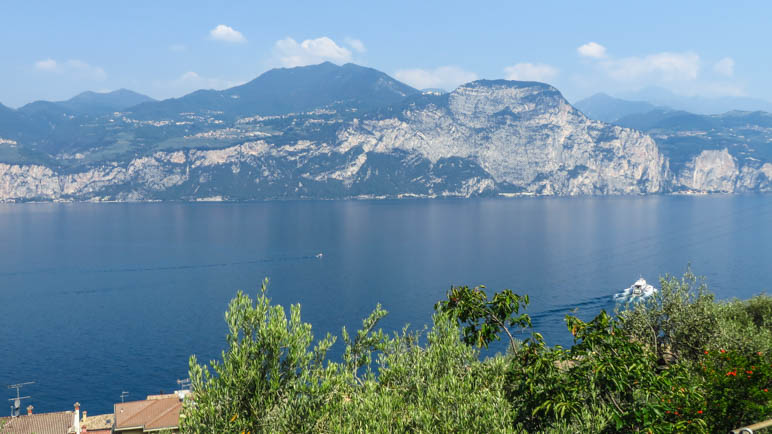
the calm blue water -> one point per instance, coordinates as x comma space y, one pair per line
96, 299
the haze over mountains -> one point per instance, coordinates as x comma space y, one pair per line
608, 108
88, 103
328, 131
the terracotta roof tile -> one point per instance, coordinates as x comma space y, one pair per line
40, 423
98, 422
148, 414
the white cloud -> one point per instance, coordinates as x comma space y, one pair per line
665, 66
444, 77
355, 44
725, 67
290, 53
227, 34
74, 67
678, 72
592, 49
177, 48
531, 72
46, 65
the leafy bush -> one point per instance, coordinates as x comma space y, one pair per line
270, 381
744, 326
736, 388
439, 387
679, 321
267, 377
679, 362
606, 382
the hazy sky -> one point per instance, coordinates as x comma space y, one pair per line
54, 50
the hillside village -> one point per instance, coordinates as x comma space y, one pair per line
152, 414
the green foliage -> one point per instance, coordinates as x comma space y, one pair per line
359, 351
736, 387
679, 362
439, 387
484, 319
267, 376
744, 326
603, 370
269, 380
678, 321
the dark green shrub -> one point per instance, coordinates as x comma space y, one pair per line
678, 322
604, 369
268, 377
736, 387
640, 372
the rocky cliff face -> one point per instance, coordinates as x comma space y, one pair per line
485, 138
525, 136
714, 171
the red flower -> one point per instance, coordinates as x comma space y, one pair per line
723, 351
766, 390
732, 373
706, 351
699, 411
749, 372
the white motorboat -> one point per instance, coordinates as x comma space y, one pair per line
638, 290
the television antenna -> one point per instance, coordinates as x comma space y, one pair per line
16, 402
124, 394
184, 384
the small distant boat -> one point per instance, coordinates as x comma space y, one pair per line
639, 290
319, 255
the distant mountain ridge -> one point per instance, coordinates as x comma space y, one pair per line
698, 104
330, 132
289, 90
88, 103
94, 103
606, 108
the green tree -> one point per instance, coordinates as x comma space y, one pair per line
679, 321
268, 377
482, 319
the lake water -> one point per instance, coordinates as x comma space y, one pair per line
96, 299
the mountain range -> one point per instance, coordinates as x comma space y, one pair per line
329, 131
608, 108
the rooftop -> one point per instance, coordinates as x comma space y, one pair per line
41, 423
98, 422
150, 414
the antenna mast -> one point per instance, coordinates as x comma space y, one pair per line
124, 394
16, 402
184, 384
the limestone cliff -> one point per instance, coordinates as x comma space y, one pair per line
484, 138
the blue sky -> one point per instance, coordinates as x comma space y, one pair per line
54, 50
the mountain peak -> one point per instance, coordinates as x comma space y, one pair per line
292, 90
90, 101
